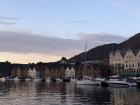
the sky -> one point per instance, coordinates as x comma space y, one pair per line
46, 30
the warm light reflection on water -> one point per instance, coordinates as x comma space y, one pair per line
58, 93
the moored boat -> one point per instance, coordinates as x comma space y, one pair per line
121, 82
16, 79
73, 80
9, 78
87, 81
27, 79
99, 80
2, 79
38, 79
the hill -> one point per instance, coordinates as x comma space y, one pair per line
131, 43
101, 53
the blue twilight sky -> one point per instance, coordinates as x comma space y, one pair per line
69, 17
95, 20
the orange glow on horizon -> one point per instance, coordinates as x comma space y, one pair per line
27, 58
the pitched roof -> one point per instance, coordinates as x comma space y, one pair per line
123, 52
135, 51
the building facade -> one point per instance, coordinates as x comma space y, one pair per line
125, 61
91, 69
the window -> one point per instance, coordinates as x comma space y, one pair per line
132, 65
126, 66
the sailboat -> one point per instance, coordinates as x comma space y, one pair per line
86, 80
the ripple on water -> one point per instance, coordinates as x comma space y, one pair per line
41, 93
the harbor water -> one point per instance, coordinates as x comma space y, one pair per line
59, 93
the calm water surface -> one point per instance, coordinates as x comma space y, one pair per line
58, 93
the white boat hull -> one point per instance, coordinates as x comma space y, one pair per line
121, 83
86, 82
73, 80
37, 79
27, 79
16, 79
2, 79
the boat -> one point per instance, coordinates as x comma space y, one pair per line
27, 79
59, 80
99, 80
9, 78
38, 79
115, 81
73, 80
2, 79
87, 81
16, 79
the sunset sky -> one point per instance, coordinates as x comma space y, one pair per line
46, 30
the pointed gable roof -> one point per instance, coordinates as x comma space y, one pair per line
135, 51
123, 52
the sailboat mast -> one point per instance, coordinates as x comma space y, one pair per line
85, 59
86, 51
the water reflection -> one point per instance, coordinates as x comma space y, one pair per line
125, 96
94, 95
59, 93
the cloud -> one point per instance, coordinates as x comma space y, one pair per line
81, 21
31, 43
36, 45
8, 18
7, 23
102, 38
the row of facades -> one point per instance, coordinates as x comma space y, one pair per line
125, 61
61, 71
45, 72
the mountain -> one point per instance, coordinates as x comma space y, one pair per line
131, 43
101, 53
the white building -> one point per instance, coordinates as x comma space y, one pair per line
138, 60
125, 61
117, 61
116, 58
29, 72
130, 62
67, 73
32, 73
72, 72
